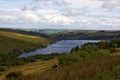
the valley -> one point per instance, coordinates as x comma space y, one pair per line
59, 39
85, 60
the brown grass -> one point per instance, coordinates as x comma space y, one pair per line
117, 52
34, 67
85, 70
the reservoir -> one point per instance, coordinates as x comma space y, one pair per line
63, 46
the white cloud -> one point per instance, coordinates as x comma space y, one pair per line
29, 16
58, 19
66, 12
27, 6
111, 4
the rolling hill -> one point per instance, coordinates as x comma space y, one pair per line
12, 41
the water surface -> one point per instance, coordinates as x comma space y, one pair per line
63, 46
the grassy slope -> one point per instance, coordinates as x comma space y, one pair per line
87, 70
12, 40
35, 67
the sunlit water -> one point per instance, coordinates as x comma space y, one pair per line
63, 46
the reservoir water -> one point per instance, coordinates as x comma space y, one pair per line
63, 46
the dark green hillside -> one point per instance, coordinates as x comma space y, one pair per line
13, 44
11, 41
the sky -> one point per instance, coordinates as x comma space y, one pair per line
60, 14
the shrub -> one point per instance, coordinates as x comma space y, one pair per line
3, 68
30, 59
75, 49
0, 73
103, 53
14, 75
67, 59
87, 51
55, 66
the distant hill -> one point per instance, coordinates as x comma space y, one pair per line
50, 31
86, 35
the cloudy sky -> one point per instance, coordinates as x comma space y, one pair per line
60, 14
